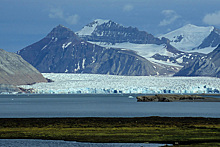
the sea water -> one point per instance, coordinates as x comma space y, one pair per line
61, 143
24, 106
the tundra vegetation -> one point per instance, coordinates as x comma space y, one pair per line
181, 131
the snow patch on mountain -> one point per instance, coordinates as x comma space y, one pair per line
164, 63
144, 50
188, 37
66, 45
88, 29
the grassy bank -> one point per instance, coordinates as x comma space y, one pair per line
185, 131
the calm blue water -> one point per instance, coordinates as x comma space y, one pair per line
99, 106
60, 143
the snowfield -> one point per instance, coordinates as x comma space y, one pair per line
189, 37
96, 83
144, 50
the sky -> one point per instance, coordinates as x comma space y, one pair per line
24, 22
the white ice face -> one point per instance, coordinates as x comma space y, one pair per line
96, 83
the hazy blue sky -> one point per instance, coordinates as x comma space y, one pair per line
24, 22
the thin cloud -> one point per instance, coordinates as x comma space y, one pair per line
58, 13
73, 19
212, 18
128, 7
170, 17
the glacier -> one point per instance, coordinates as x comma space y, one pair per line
65, 83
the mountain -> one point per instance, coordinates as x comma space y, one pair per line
193, 38
62, 51
106, 47
107, 33
16, 71
110, 32
207, 66
203, 40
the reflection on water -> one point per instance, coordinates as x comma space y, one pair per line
60, 143
99, 106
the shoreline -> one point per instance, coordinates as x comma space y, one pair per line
168, 130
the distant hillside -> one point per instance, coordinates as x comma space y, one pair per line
16, 71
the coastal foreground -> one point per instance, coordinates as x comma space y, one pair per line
182, 131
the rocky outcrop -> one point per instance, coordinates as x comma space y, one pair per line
14, 70
62, 51
175, 98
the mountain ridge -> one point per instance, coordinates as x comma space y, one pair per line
63, 51
112, 32
156, 50
106, 47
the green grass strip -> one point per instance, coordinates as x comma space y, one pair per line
184, 131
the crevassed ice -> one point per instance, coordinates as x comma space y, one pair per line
96, 83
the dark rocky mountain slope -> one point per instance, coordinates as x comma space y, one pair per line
212, 40
16, 71
62, 51
206, 66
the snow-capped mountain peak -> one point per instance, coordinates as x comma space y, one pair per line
89, 29
194, 28
188, 37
